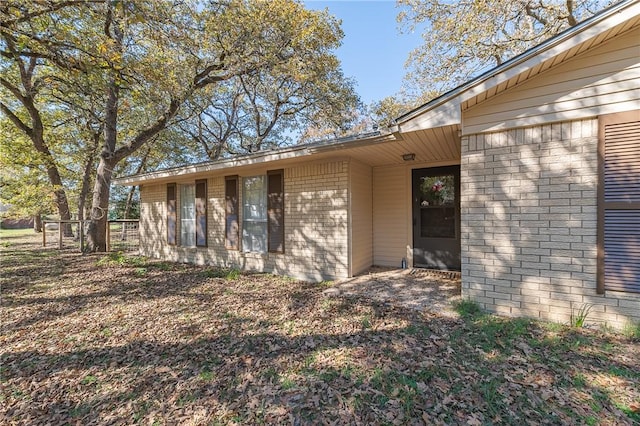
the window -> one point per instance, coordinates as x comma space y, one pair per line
232, 227
263, 213
171, 214
437, 196
187, 215
619, 202
193, 214
254, 214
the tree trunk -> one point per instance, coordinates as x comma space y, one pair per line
127, 212
37, 222
127, 207
97, 230
84, 189
62, 203
87, 172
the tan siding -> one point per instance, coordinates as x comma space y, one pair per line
389, 215
603, 80
361, 191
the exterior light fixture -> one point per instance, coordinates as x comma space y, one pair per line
409, 157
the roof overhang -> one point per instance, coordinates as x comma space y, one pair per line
447, 108
273, 157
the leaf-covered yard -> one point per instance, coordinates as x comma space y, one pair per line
97, 340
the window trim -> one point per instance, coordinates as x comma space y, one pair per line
182, 219
245, 220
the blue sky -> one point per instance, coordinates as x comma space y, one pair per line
373, 51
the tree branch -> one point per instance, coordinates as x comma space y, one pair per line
53, 7
147, 133
16, 120
571, 19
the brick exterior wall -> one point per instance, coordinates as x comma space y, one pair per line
529, 218
316, 218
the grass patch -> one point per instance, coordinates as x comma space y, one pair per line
287, 383
468, 309
119, 258
632, 330
89, 380
17, 233
206, 375
225, 273
140, 272
491, 333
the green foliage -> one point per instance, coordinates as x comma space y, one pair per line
119, 258
468, 309
140, 272
632, 330
233, 274
579, 317
464, 38
228, 274
91, 68
89, 380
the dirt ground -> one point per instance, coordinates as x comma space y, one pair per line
119, 340
417, 289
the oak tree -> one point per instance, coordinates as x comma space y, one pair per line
146, 59
463, 38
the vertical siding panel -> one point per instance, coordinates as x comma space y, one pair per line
389, 215
361, 217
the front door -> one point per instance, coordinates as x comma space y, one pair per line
436, 218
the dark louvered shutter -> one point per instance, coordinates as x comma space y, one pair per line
275, 210
232, 228
171, 214
201, 213
619, 203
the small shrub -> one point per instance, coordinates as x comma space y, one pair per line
579, 318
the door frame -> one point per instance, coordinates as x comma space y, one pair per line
413, 221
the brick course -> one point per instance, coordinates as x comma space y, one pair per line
528, 211
316, 218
